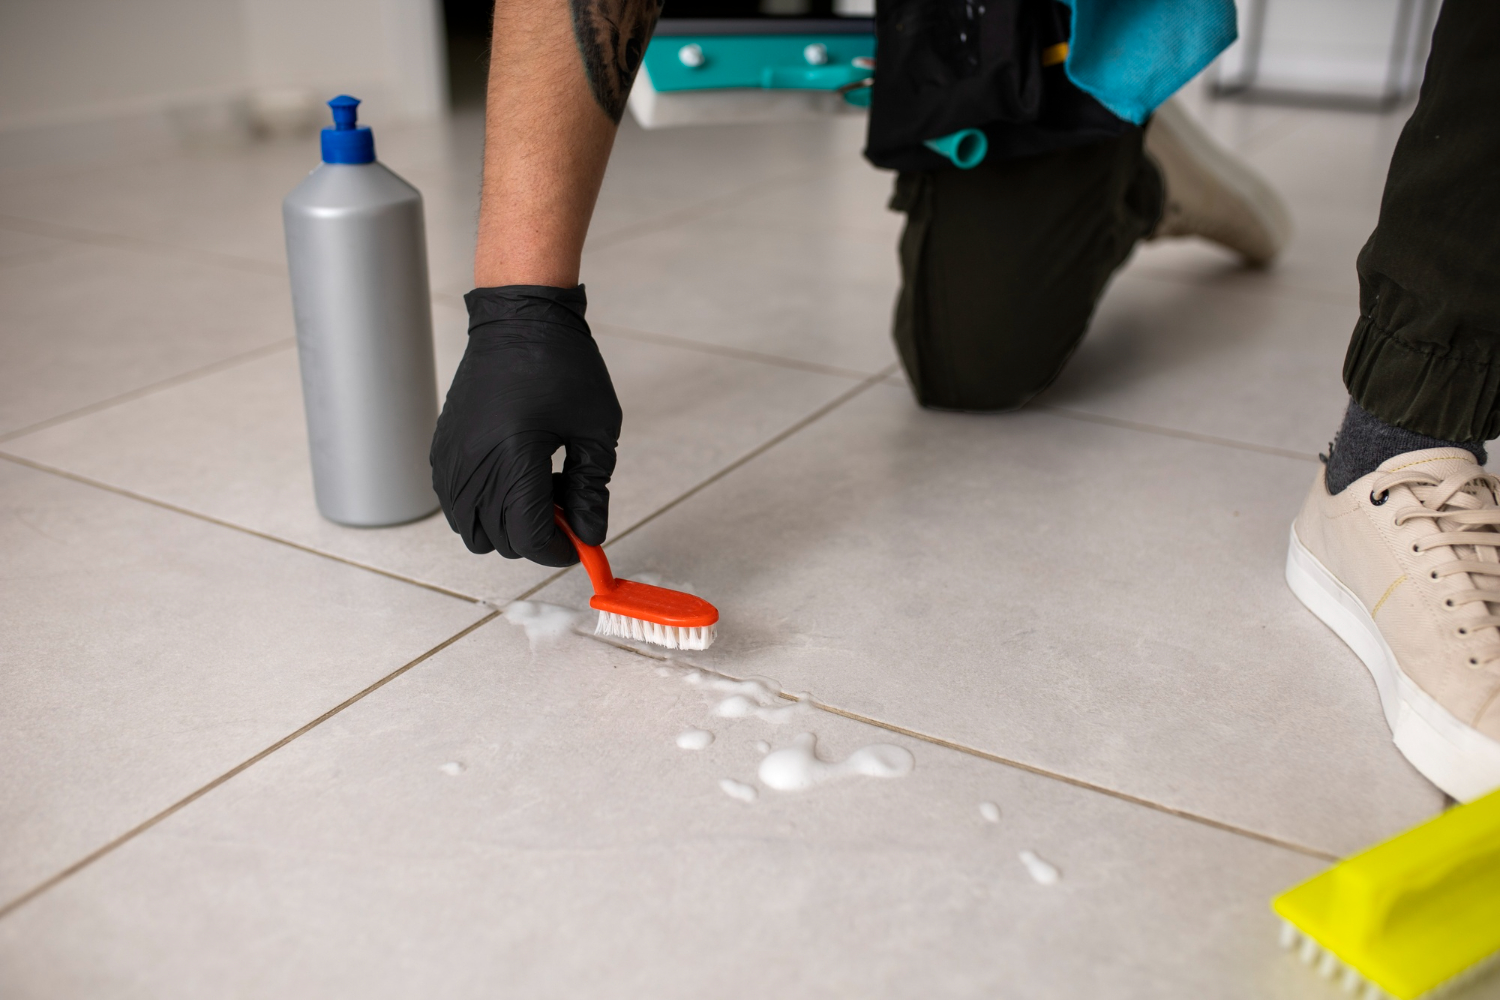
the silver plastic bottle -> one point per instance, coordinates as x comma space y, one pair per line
357, 252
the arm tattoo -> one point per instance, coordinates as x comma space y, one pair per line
612, 37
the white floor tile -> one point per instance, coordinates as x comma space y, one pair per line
1219, 356
1074, 589
501, 822
146, 653
233, 445
1101, 603
84, 324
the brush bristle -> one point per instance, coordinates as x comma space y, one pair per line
1349, 979
670, 636
1328, 965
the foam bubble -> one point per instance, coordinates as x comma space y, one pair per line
694, 739
761, 690
543, 622
1043, 872
799, 767
990, 811
453, 768
738, 790
754, 697
762, 746
737, 706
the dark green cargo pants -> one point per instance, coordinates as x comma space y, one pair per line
1001, 266
1426, 351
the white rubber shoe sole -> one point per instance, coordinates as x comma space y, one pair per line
1457, 758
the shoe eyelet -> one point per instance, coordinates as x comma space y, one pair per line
1449, 602
1462, 630
1384, 496
1415, 547
1433, 574
1473, 662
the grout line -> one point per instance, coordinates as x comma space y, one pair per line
147, 390
545, 583
1132, 425
39, 255
691, 213
454, 299
136, 831
209, 518
437, 588
757, 451
115, 241
1192, 817
688, 344
603, 328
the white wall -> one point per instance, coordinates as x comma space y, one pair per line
63, 61
388, 53
66, 62
1337, 47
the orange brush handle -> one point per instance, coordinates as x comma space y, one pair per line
595, 563
632, 599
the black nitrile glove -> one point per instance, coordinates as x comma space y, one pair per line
531, 381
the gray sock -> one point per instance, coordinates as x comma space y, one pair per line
1365, 441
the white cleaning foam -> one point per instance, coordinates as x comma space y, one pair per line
737, 706
762, 746
453, 768
798, 767
1043, 872
990, 811
758, 697
761, 690
543, 622
694, 739
738, 790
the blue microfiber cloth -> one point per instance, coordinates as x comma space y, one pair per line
1131, 55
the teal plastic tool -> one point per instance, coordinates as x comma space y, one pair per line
770, 62
965, 148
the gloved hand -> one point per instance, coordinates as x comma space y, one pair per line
531, 381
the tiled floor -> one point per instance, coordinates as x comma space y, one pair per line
247, 752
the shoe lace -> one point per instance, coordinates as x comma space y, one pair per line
1463, 509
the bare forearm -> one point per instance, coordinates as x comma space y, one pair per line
560, 71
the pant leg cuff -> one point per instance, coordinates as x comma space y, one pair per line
1424, 388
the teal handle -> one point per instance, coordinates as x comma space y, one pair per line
774, 62
811, 77
965, 149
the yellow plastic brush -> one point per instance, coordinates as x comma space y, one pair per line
1416, 916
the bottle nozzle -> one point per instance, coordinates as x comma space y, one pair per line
345, 112
347, 142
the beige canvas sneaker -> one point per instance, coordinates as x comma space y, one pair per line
1404, 566
1212, 193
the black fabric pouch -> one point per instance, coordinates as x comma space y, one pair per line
946, 65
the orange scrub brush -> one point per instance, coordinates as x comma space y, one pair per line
630, 610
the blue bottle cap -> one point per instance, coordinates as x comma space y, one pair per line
347, 142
